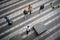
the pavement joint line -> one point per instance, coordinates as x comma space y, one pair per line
21, 16
8, 3
24, 27
12, 5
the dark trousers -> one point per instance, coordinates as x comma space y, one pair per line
27, 32
9, 23
30, 11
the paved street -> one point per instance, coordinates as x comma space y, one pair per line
49, 17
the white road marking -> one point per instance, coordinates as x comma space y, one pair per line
12, 5
34, 23
8, 3
48, 22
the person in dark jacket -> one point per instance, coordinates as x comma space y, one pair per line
8, 20
41, 7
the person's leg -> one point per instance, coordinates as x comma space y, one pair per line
0, 20
39, 11
30, 11
9, 22
24, 16
52, 7
27, 32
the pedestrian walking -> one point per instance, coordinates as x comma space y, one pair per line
41, 7
8, 20
30, 9
27, 29
25, 14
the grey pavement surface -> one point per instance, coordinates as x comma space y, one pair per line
32, 34
10, 2
3, 1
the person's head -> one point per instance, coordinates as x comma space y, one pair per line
29, 5
4, 16
28, 26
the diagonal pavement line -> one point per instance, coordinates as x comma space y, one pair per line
18, 8
48, 22
8, 3
12, 5
23, 15
35, 22
3, 1
50, 30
